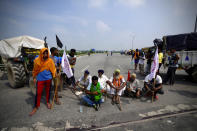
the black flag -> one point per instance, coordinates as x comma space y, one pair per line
45, 42
59, 43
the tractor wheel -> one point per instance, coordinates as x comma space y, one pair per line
16, 74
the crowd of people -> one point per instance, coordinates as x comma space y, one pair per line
139, 58
47, 68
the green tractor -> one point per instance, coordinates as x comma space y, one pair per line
18, 54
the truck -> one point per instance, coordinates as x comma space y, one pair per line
18, 54
186, 48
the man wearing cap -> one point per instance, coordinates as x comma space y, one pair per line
94, 94
102, 79
117, 84
133, 88
84, 81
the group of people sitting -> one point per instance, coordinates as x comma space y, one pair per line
47, 70
96, 86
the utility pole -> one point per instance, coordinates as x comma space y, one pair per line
195, 25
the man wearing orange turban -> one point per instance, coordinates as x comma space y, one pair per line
43, 72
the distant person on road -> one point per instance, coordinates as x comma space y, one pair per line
111, 53
94, 94
155, 89
43, 72
54, 52
136, 58
133, 88
173, 65
85, 81
103, 79
117, 84
72, 60
160, 58
141, 62
149, 58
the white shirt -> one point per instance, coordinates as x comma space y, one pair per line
102, 80
86, 82
158, 79
134, 85
141, 61
88, 88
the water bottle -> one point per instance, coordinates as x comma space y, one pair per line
80, 109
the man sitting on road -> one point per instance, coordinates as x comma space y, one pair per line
85, 81
103, 79
43, 72
149, 85
117, 84
133, 88
94, 94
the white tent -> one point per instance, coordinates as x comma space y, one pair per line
11, 47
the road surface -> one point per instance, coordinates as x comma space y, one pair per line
175, 110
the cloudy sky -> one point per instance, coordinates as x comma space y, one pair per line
99, 24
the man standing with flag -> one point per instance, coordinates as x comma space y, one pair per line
72, 61
68, 63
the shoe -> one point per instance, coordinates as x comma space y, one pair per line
95, 107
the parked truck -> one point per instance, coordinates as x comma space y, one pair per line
18, 54
186, 48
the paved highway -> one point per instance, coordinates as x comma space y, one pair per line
182, 97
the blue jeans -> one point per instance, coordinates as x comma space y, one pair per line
87, 99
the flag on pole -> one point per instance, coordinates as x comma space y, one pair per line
66, 66
154, 66
59, 43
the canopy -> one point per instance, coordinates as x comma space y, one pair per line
11, 47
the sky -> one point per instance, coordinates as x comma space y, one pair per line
98, 24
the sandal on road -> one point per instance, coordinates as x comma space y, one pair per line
33, 112
48, 105
58, 102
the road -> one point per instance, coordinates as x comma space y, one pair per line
181, 98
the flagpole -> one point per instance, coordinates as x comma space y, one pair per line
56, 79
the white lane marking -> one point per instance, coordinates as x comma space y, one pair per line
144, 120
85, 68
168, 109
